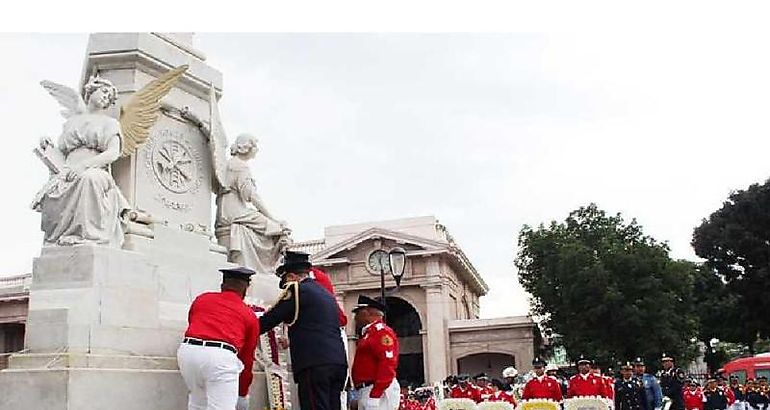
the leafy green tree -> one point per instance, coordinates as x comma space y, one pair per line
719, 315
720, 312
609, 291
735, 241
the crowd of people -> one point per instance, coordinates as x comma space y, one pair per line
633, 388
481, 387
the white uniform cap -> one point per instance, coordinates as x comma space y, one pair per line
510, 372
551, 367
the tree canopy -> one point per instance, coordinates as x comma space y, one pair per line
735, 241
609, 291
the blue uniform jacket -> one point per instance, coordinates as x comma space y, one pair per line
652, 391
314, 335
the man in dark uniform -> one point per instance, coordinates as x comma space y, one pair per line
651, 385
629, 390
738, 393
317, 351
714, 397
671, 382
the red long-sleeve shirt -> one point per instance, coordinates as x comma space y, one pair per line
484, 393
503, 396
376, 358
542, 387
468, 392
693, 399
222, 316
589, 385
730, 395
609, 386
323, 279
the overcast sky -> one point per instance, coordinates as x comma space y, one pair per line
487, 132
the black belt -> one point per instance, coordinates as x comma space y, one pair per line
210, 343
363, 384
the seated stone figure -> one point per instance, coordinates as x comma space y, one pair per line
82, 203
244, 225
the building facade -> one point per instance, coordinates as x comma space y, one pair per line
435, 311
14, 302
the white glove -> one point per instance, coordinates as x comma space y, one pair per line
372, 403
243, 403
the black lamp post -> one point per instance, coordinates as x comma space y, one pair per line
396, 264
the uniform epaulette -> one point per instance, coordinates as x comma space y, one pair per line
291, 291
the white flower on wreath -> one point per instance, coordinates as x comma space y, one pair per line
494, 405
457, 404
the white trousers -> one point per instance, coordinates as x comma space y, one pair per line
389, 401
344, 393
211, 375
738, 405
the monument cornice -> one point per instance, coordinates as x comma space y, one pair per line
153, 54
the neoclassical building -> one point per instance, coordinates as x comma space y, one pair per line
435, 312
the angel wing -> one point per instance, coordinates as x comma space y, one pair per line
142, 111
217, 142
69, 99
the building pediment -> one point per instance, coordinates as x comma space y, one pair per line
416, 243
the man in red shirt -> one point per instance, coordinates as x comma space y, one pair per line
609, 381
692, 396
217, 353
376, 359
484, 389
498, 394
541, 386
464, 389
585, 383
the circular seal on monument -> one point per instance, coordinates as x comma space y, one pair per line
175, 164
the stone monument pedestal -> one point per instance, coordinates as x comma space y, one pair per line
104, 324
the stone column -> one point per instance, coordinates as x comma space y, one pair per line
437, 340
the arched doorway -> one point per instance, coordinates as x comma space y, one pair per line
489, 363
403, 318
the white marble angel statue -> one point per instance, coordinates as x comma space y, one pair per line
81, 202
252, 235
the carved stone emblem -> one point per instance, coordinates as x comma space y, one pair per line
175, 164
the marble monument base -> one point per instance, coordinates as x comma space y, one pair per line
102, 389
104, 325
